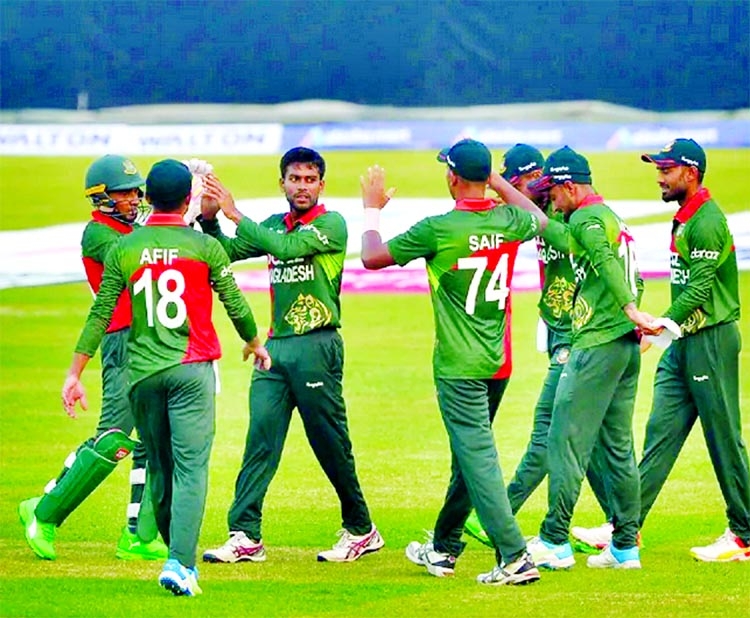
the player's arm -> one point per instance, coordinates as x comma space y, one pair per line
375, 253
707, 244
237, 307
591, 236
326, 235
511, 195
557, 235
93, 331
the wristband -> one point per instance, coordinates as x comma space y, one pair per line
372, 220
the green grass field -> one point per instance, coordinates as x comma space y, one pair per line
400, 444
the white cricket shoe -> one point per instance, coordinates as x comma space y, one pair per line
550, 556
349, 547
727, 548
598, 537
437, 563
613, 558
238, 548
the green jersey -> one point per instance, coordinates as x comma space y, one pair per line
305, 265
169, 270
99, 236
557, 278
470, 253
703, 266
603, 256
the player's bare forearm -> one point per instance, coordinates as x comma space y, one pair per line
511, 195
375, 253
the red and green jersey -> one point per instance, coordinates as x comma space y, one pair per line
557, 278
171, 272
607, 278
305, 265
703, 266
99, 236
470, 253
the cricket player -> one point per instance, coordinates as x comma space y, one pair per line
698, 375
596, 391
306, 249
170, 272
523, 165
113, 184
470, 253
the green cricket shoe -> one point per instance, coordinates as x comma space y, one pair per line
39, 535
474, 528
130, 547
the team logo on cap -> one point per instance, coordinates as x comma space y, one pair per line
128, 167
668, 147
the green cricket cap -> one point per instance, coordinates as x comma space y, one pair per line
469, 159
681, 151
519, 161
562, 166
169, 181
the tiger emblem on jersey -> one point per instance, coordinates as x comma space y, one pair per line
559, 296
694, 322
307, 313
581, 314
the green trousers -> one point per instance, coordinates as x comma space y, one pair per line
468, 408
116, 412
698, 378
594, 410
175, 416
307, 374
533, 467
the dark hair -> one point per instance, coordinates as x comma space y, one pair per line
170, 206
300, 154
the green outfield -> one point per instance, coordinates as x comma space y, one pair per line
400, 444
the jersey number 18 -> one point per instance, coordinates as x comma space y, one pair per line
167, 297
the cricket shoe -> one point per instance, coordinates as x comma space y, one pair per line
39, 535
519, 572
237, 549
437, 563
613, 558
350, 546
727, 548
179, 580
131, 547
593, 540
550, 556
589, 540
473, 527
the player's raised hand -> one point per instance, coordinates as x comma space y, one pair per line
262, 357
73, 392
374, 194
214, 190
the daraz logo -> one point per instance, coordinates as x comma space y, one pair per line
697, 254
561, 168
526, 168
684, 159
